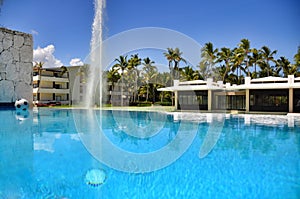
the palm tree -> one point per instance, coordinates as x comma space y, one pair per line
266, 57
150, 73
204, 70
174, 57
163, 80
245, 50
297, 61
133, 63
264, 70
170, 55
233, 79
147, 62
63, 71
208, 59
121, 65
83, 73
254, 61
285, 65
220, 73
38, 65
188, 74
225, 56
297, 58
112, 77
237, 60
178, 59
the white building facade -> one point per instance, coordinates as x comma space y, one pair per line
269, 94
50, 86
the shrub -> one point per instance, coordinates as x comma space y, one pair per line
163, 103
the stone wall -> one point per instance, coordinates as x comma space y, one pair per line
16, 54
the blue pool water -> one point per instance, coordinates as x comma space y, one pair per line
43, 156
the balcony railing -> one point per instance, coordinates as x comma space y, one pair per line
51, 90
50, 78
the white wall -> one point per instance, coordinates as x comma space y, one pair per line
16, 53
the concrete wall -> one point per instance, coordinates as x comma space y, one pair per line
16, 54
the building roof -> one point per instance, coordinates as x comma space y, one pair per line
269, 79
57, 69
193, 82
259, 83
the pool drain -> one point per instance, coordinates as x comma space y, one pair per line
95, 177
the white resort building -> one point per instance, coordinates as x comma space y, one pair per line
50, 86
268, 94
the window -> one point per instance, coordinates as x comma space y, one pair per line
269, 100
192, 100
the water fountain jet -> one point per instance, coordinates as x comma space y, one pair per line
95, 70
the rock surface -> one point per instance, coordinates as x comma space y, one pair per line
16, 54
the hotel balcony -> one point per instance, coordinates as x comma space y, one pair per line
50, 78
52, 90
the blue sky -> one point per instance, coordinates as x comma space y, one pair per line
66, 24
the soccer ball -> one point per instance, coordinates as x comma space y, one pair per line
22, 112
21, 104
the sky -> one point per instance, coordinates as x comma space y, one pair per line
62, 29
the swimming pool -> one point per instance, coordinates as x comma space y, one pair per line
255, 156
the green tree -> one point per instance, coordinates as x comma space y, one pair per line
121, 65
170, 56
188, 73
174, 57
112, 77
297, 59
237, 64
150, 72
208, 59
38, 65
133, 63
204, 70
245, 51
219, 74
224, 56
285, 65
254, 61
178, 59
267, 56
63, 70
164, 80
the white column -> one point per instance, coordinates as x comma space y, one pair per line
176, 99
176, 84
291, 80
247, 83
291, 103
209, 93
209, 100
247, 100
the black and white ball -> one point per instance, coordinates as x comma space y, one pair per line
22, 112
22, 105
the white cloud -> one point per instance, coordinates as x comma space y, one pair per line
34, 32
76, 62
45, 55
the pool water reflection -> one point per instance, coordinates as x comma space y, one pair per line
255, 157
